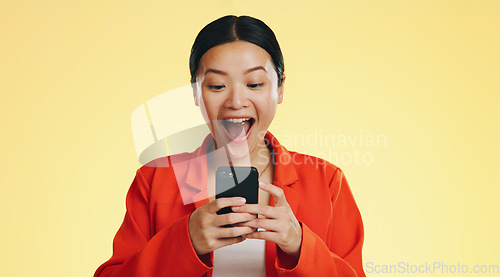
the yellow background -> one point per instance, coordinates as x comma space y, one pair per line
424, 74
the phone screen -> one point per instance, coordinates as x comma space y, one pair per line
241, 181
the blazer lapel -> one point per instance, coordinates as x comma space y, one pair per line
284, 172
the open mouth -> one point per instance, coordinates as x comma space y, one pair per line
238, 129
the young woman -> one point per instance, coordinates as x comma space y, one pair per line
306, 222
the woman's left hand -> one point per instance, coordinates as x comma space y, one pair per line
280, 222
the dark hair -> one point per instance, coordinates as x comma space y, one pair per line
232, 28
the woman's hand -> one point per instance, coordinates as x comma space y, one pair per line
205, 225
280, 222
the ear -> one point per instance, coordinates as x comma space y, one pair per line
281, 90
196, 94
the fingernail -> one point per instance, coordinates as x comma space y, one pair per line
263, 185
236, 209
242, 200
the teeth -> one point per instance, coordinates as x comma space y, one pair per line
237, 120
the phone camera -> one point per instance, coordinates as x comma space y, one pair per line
225, 173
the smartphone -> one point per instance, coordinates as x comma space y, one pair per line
241, 181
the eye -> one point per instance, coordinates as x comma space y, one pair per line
255, 86
216, 87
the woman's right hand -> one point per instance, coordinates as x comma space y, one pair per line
205, 225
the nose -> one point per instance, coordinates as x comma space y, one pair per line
237, 99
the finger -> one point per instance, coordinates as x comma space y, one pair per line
220, 203
232, 218
265, 235
285, 244
228, 241
233, 232
242, 225
268, 224
265, 210
276, 192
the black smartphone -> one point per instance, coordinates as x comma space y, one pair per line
233, 181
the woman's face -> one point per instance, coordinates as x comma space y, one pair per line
239, 95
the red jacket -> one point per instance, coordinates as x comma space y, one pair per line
154, 241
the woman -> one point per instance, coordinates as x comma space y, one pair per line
306, 222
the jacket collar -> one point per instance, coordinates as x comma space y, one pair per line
284, 171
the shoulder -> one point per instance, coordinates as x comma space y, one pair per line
161, 167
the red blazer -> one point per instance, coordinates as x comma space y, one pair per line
154, 241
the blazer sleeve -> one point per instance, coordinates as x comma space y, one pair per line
338, 255
136, 253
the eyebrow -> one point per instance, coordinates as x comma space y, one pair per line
216, 71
